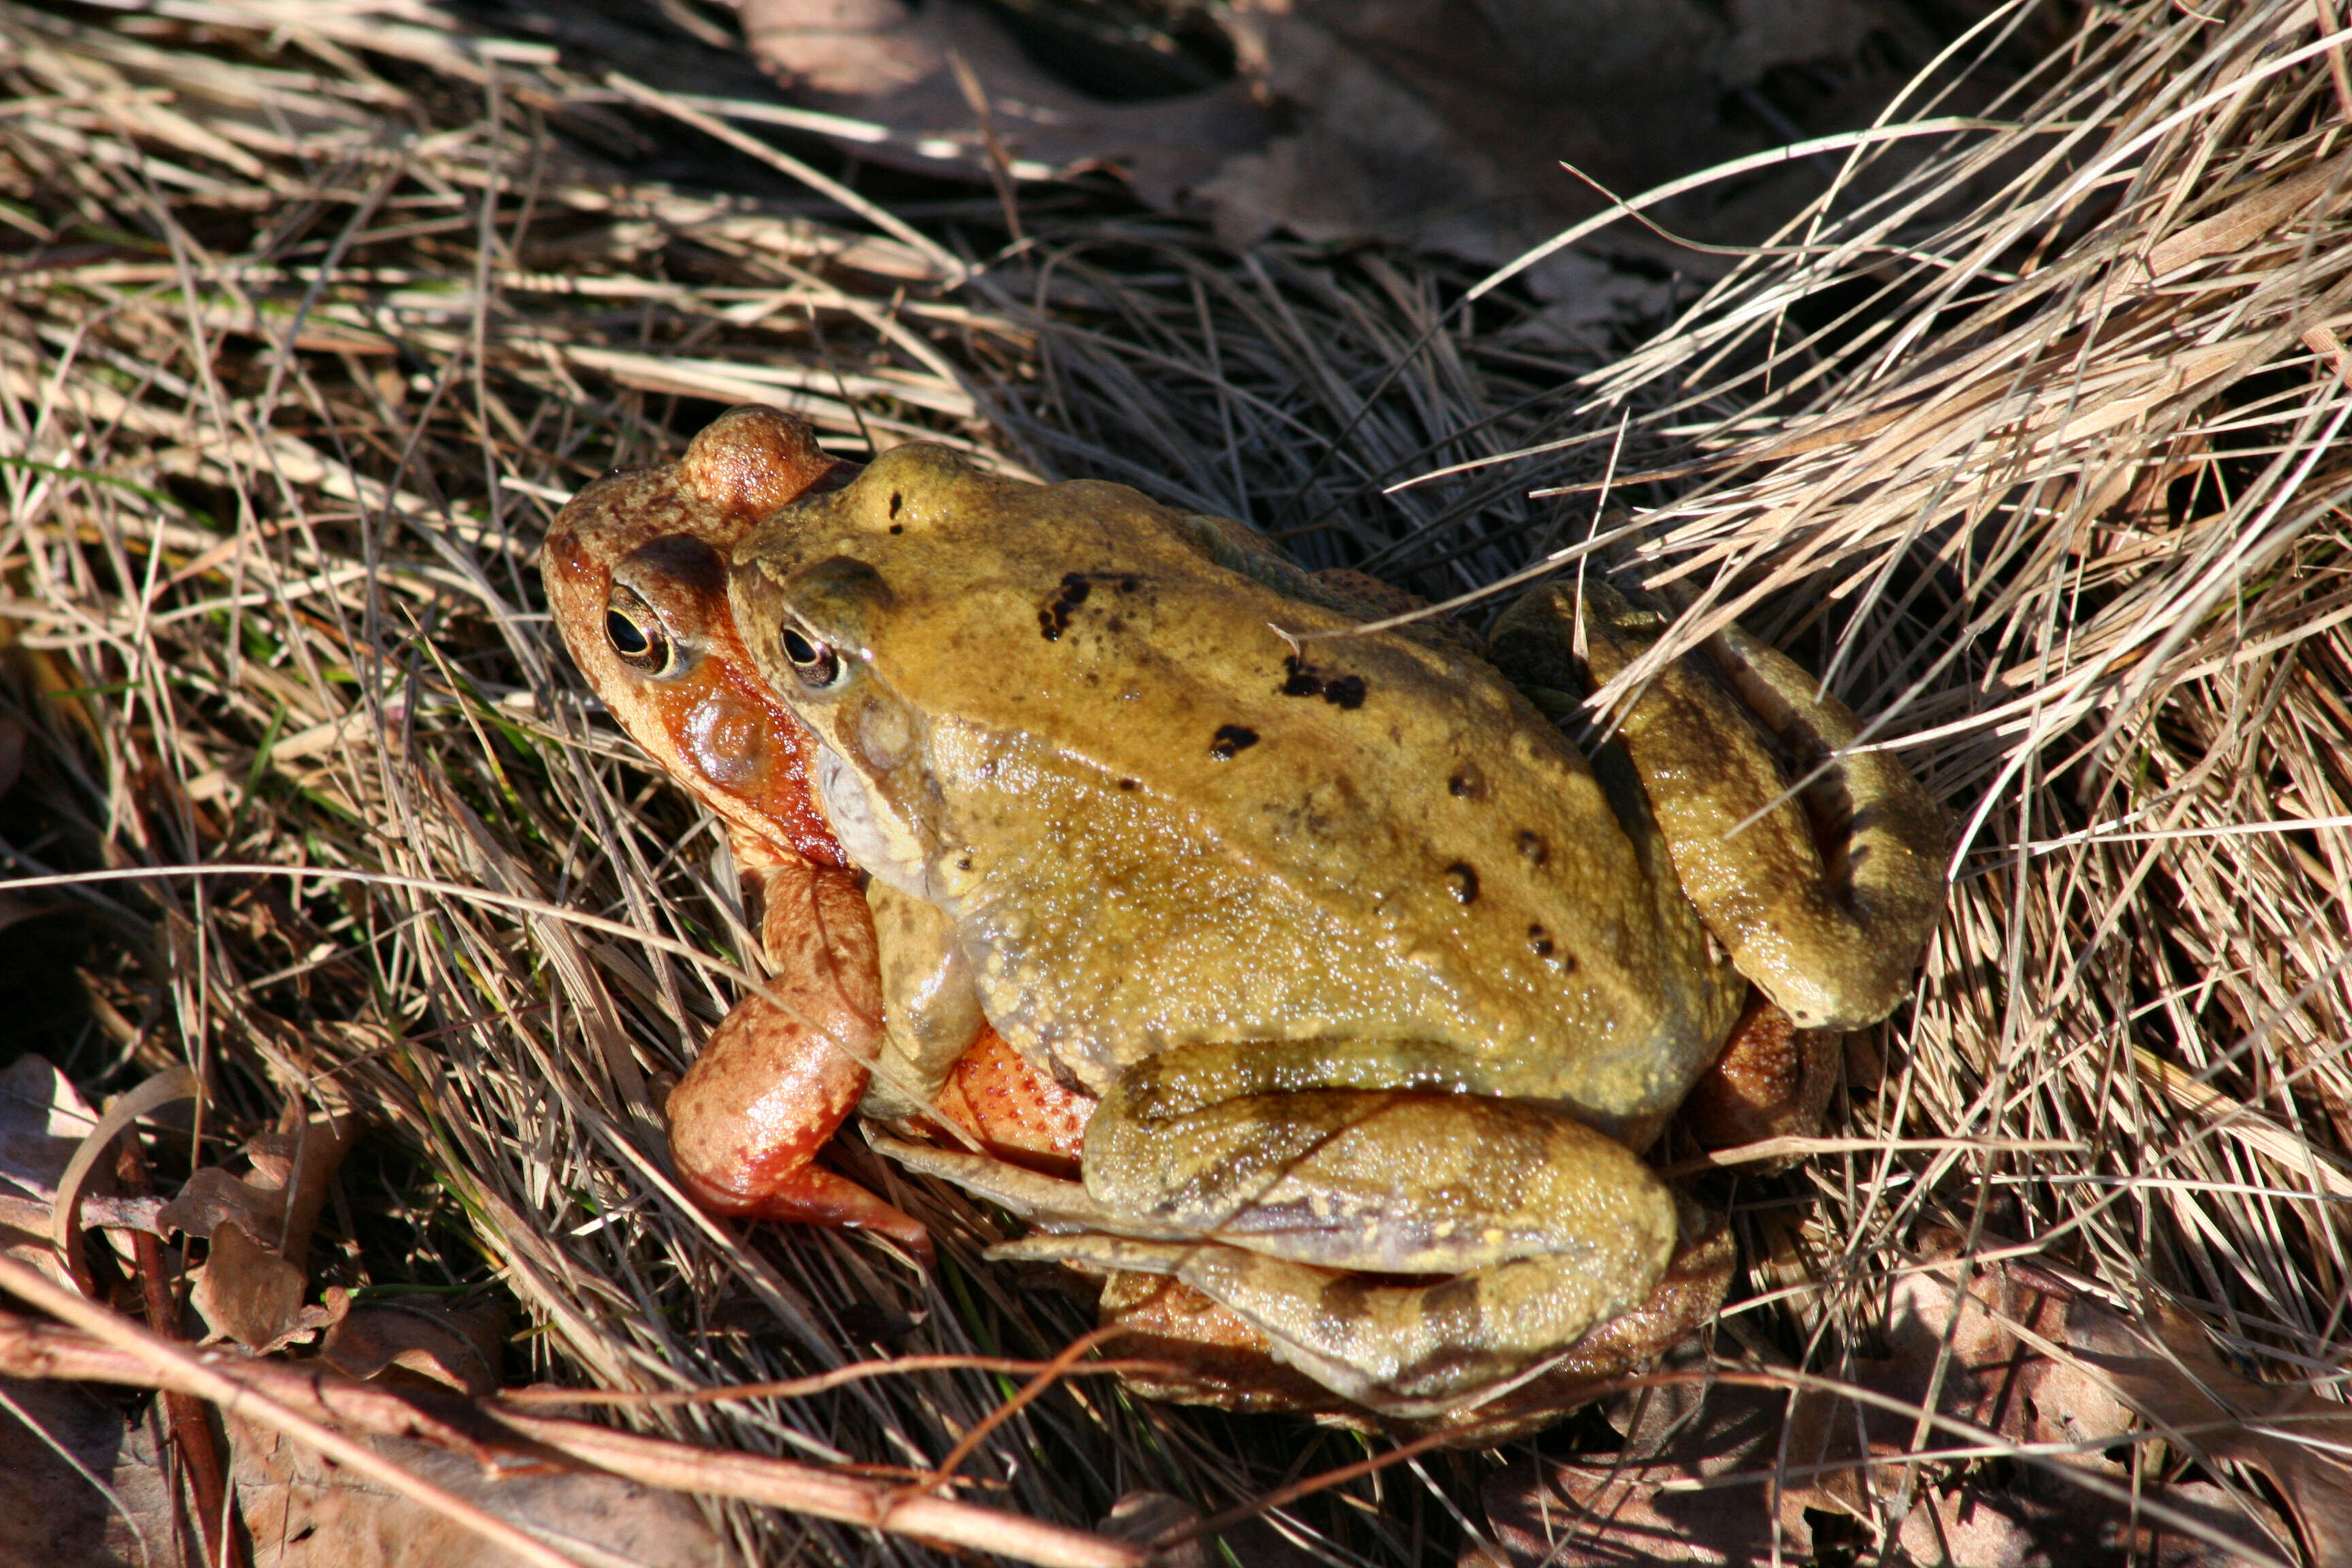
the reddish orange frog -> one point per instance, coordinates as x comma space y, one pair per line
636, 571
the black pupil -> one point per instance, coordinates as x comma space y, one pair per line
798, 648
626, 634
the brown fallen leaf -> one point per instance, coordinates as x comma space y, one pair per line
459, 1347
1995, 1377
249, 1294
1708, 1501
306, 1514
251, 1284
300, 1511
1428, 122
891, 64
1706, 1470
43, 1119
278, 1203
51, 1515
1644, 1504
2164, 1366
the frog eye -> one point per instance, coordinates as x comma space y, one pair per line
636, 635
814, 660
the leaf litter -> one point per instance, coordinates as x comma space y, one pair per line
2028, 439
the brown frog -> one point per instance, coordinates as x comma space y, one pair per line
635, 575
1381, 985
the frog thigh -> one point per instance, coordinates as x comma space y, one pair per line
1830, 929
930, 1009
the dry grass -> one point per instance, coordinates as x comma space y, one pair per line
2028, 435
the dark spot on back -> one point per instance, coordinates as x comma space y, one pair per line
1532, 846
1129, 783
896, 500
1539, 942
1128, 584
1466, 881
1054, 618
1232, 739
898, 528
1301, 679
1467, 782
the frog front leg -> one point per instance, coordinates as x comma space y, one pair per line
1823, 897
930, 1009
941, 1062
781, 1073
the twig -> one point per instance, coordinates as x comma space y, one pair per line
802, 1388
306, 1403
218, 1525
152, 1362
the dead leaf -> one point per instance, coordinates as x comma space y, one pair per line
249, 1294
1695, 1481
43, 1119
213, 1198
278, 1202
51, 1514
305, 1513
2165, 1367
1644, 1503
300, 1511
1975, 1526
886, 62
252, 1282
460, 1347
1436, 123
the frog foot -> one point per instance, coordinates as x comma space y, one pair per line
1822, 893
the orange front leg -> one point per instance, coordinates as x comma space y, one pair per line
778, 1077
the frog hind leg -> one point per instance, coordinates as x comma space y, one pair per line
1823, 897
781, 1073
1529, 1227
